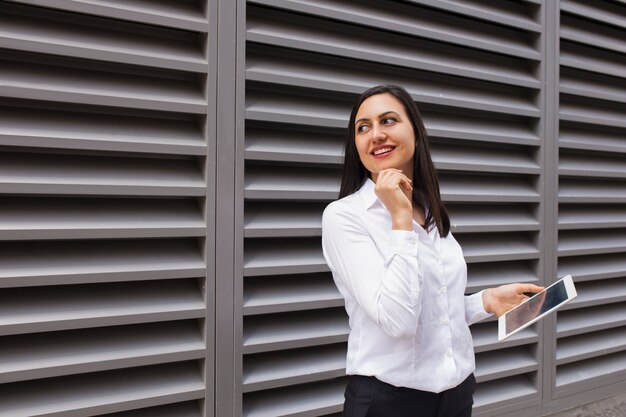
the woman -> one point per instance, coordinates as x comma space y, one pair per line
388, 244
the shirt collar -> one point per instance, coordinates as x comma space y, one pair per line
367, 194
369, 197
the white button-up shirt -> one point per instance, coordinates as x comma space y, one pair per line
404, 294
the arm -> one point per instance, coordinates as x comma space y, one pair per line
501, 299
387, 289
475, 309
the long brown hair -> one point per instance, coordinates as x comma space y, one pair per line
425, 182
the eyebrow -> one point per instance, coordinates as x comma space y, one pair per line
379, 116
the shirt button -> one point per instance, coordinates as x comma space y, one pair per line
444, 289
449, 353
445, 322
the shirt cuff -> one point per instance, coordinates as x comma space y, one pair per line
403, 242
475, 309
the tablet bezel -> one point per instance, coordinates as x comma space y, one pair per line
571, 294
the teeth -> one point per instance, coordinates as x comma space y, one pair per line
383, 150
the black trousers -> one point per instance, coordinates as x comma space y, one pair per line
367, 396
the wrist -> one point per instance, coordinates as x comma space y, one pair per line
402, 221
487, 300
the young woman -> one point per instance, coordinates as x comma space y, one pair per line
388, 244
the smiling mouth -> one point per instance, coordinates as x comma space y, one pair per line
383, 151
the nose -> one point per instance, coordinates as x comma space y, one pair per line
378, 133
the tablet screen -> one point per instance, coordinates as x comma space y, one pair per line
535, 306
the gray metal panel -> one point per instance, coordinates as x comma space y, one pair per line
590, 343
479, 89
103, 208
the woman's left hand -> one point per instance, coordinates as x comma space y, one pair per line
501, 299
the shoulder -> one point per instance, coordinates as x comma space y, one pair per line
344, 211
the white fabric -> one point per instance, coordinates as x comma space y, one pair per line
404, 294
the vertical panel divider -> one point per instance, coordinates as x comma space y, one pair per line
550, 186
210, 134
229, 207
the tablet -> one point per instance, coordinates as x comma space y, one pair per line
536, 307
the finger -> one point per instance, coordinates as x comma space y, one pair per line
392, 177
399, 171
407, 184
532, 288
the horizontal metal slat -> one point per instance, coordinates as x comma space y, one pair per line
591, 111
300, 256
580, 190
41, 30
603, 12
578, 348
22, 173
46, 355
465, 218
597, 86
284, 368
106, 392
595, 34
24, 264
294, 330
597, 293
589, 242
43, 309
57, 218
595, 267
316, 399
294, 146
180, 15
269, 220
32, 81
485, 336
605, 367
591, 319
588, 58
505, 364
278, 107
517, 15
291, 183
592, 165
591, 216
493, 274
517, 388
497, 247
181, 409
290, 293
479, 126
460, 157
55, 128
577, 136
288, 30
420, 22
288, 68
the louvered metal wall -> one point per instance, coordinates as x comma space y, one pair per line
475, 68
591, 333
103, 208
134, 200
481, 73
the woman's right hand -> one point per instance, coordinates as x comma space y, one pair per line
394, 190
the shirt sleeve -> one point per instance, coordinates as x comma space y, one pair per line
475, 309
386, 289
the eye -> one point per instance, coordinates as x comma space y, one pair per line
362, 128
389, 120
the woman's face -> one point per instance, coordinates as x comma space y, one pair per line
384, 135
